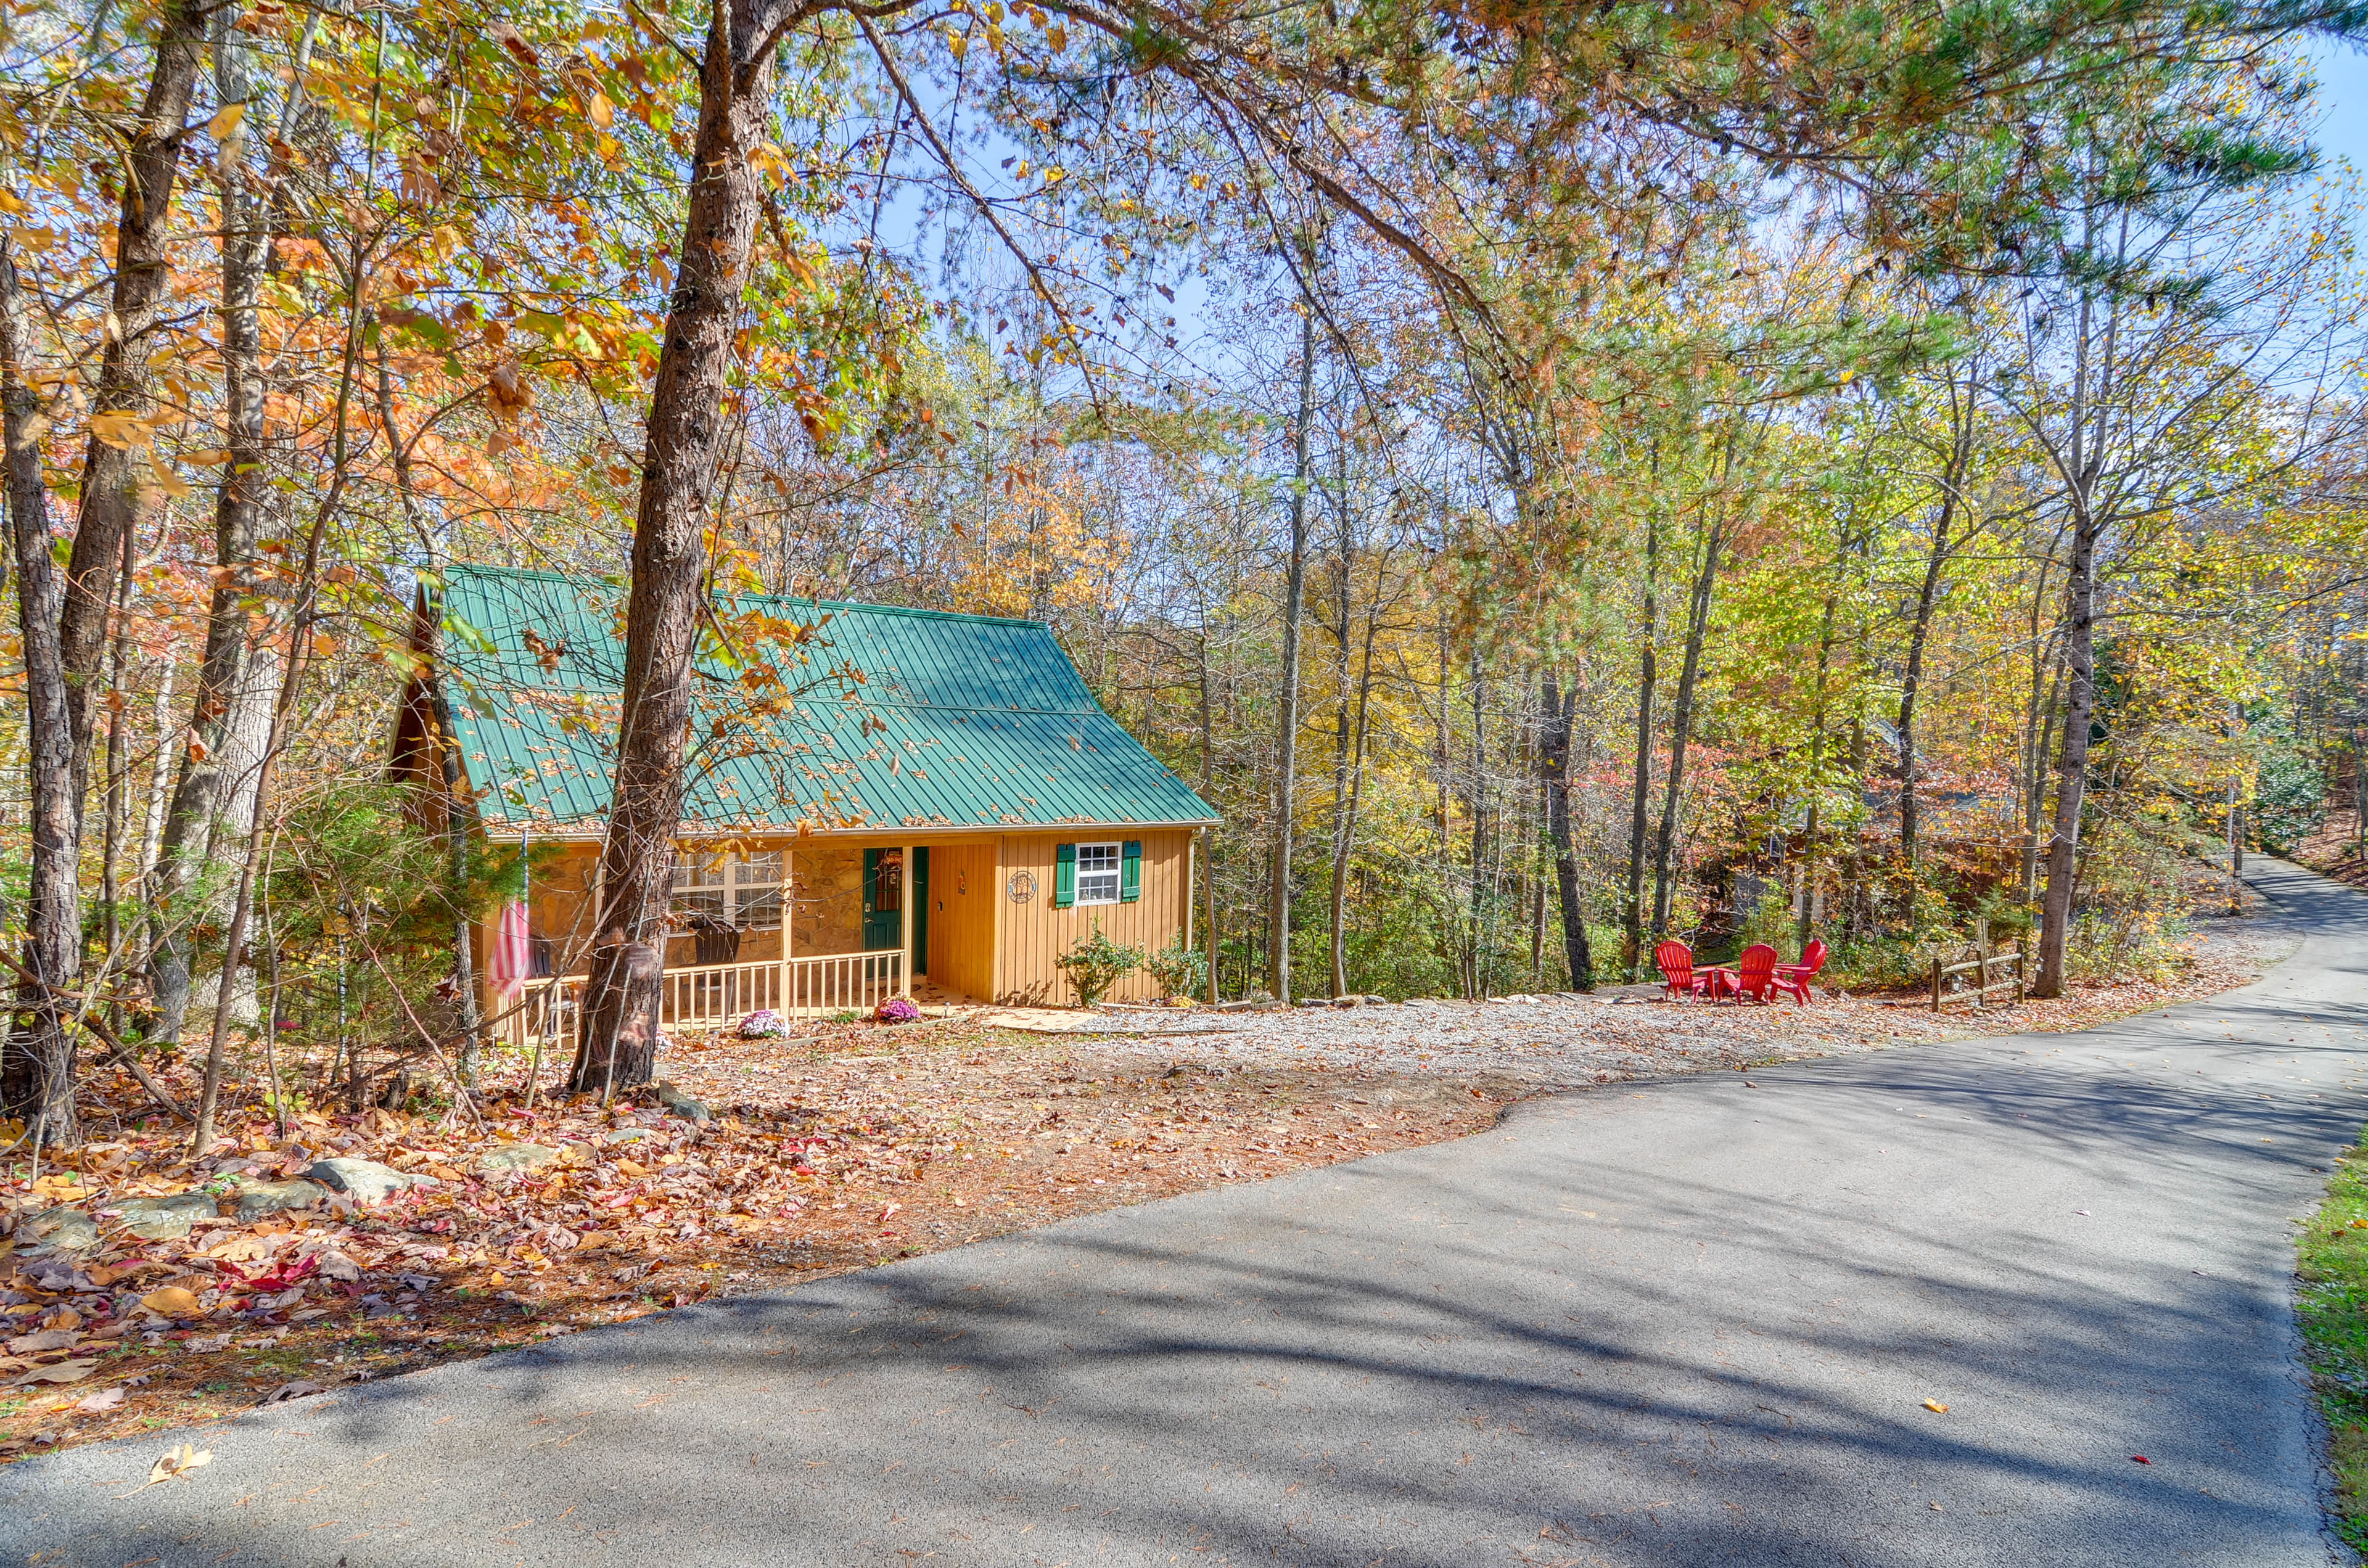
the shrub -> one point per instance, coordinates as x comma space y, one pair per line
895, 1010
1096, 963
764, 1024
1179, 971
2289, 800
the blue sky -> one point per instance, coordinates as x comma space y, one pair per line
2343, 96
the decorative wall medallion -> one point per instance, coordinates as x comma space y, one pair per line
1022, 886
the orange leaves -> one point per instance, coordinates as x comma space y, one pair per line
515, 43
508, 390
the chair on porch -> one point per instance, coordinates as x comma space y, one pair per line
713, 942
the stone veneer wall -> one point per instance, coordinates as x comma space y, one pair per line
826, 898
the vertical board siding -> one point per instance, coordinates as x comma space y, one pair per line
963, 890
1035, 934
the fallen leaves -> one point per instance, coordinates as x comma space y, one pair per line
1935, 1407
816, 1158
61, 1372
175, 1463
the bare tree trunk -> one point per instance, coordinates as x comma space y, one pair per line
1911, 680
37, 1063
160, 778
1207, 836
110, 490
115, 810
207, 781
1479, 806
669, 559
1680, 723
1553, 773
1809, 844
2072, 757
1286, 759
1348, 766
1631, 939
243, 901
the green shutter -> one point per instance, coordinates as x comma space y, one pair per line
1065, 875
1130, 874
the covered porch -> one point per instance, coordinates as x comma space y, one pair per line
803, 928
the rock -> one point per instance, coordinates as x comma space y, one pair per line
163, 1219
57, 1233
257, 1198
335, 1264
364, 1181
517, 1157
625, 1135
682, 1104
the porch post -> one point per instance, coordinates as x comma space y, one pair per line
789, 923
904, 917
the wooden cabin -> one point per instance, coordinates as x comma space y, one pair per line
879, 800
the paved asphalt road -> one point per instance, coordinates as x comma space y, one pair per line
1687, 1322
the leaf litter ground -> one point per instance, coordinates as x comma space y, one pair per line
837, 1149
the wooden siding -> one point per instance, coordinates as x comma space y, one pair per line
963, 893
1034, 934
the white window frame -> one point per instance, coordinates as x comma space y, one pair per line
1101, 885
745, 891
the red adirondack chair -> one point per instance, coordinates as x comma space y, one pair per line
1792, 979
1675, 962
1755, 974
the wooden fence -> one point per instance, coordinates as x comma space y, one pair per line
711, 995
1947, 987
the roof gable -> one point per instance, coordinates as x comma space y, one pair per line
956, 721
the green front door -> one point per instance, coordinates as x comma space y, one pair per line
883, 898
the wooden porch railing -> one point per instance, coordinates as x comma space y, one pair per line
708, 995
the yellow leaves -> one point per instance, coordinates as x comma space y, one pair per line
1935, 1407
121, 428
599, 110
171, 1301
226, 121
167, 480
176, 1463
957, 44
13, 204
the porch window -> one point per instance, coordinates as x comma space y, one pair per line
1098, 873
740, 891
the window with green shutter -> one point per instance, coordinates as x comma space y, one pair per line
1129, 877
1065, 875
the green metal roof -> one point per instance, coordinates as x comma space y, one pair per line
957, 721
